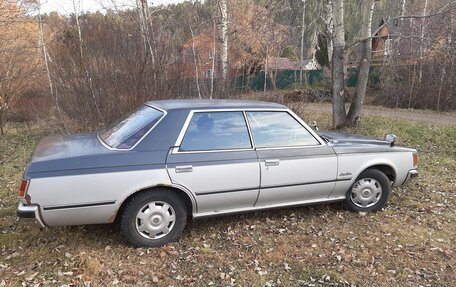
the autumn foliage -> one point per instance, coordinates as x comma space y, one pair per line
19, 63
83, 70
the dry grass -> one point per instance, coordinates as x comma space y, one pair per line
409, 243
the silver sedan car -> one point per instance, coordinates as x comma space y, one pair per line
169, 161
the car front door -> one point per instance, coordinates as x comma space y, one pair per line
296, 167
216, 161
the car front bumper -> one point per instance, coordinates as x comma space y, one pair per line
413, 173
30, 213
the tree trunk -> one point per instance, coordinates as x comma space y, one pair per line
303, 29
337, 71
273, 77
86, 71
195, 62
442, 80
213, 63
224, 50
146, 35
397, 46
412, 86
2, 112
46, 60
402, 6
364, 65
313, 42
421, 51
266, 70
329, 24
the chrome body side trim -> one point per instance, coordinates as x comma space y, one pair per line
266, 207
79, 205
82, 194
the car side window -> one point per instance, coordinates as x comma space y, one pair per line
278, 129
216, 131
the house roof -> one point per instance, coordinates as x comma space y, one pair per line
279, 63
283, 63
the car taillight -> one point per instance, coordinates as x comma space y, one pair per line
416, 159
23, 188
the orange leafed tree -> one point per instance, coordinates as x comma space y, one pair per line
255, 34
19, 58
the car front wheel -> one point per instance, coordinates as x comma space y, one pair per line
369, 193
153, 218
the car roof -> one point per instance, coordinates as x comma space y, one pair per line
197, 104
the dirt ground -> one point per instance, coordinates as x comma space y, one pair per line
411, 242
409, 115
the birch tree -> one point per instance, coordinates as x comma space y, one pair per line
402, 11
83, 62
195, 62
42, 43
144, 20
402, 5
329, 28
337, 71
303, 30
356, 106
214, 45
224, 39
422, 48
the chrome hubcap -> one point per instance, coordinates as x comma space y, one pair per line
155, 220
366, 192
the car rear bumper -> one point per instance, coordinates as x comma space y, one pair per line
413, 173
30, 213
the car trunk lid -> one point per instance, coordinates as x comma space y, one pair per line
65, 152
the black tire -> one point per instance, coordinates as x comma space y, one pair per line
357, 196
159, 205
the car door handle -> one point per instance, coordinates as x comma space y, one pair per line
184, 168
271, 162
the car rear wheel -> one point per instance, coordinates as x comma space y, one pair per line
153, 218
369, 193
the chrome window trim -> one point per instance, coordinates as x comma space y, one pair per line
181, 135
287, 147
309, 129
187, 123
140, 140
177, 151
184, 129
252, 142
302, 123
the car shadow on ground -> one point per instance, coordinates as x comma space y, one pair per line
102, 235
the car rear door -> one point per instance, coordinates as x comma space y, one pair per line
216, 161
296, 166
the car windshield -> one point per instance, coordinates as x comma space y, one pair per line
126, 132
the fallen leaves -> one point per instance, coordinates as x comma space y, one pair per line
410, 243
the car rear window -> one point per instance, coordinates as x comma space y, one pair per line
126, 132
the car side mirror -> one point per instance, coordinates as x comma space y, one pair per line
391, 138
